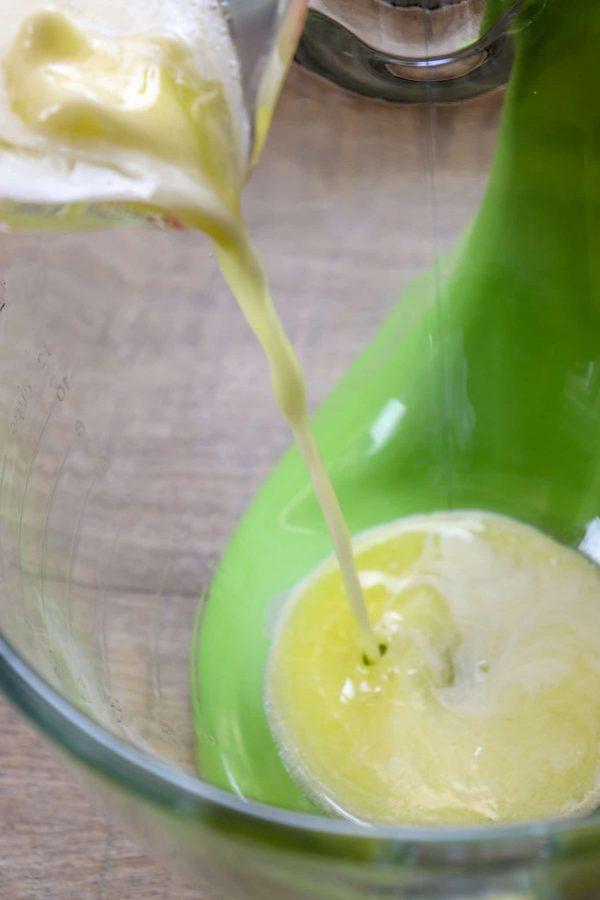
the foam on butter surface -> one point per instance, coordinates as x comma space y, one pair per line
485, 706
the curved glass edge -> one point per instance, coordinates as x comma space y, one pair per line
333, 51
154, 780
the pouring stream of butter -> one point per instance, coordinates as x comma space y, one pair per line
143, 104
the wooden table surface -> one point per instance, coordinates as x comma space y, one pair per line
53, 845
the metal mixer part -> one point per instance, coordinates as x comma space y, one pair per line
339, 51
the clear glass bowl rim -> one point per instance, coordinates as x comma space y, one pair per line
156, 781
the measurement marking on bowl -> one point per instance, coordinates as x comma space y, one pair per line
63, 389
168, 732
43, 357
116, 710
20, 412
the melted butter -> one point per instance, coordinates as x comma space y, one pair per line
246, 279
143, 94
136, 104
100, 95
486, 704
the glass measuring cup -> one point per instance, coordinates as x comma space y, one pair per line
137, 425
80, 178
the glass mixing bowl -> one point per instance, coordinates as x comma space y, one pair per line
137, 423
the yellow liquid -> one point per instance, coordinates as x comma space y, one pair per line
116, 98
485, 706
245, 277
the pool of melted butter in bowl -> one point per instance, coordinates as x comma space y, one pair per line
485, 705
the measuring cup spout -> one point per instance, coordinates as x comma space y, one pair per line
265, 34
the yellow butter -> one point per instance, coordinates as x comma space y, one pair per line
135, 104
485, 706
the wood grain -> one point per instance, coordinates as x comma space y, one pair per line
53, 845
